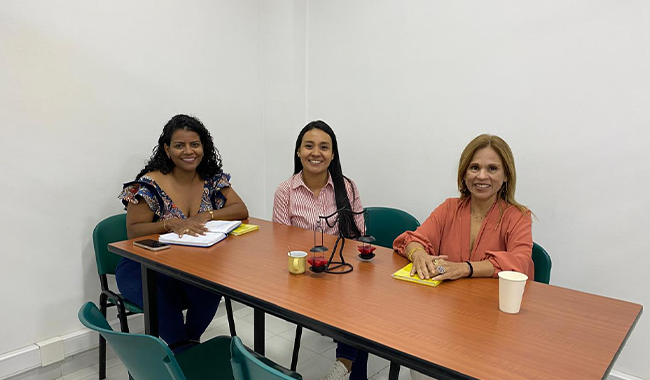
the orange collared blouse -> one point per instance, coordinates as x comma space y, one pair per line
505, 237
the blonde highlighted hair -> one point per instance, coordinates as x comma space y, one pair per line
507, 190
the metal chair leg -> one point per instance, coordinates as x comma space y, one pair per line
103, 299
296, 348
121, 315
102, 358
231, 318
393, 372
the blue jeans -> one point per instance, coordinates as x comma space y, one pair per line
359, 360
174, 296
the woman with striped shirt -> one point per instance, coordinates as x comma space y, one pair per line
318, 188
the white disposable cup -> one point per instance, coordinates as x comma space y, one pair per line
511, 290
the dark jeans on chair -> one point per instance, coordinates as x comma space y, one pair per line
173, 297
359, 360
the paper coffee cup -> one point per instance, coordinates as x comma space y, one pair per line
511, 290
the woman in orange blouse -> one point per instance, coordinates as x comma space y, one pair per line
482, 232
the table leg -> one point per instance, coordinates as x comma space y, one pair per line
150, 301
393, 372
258, 331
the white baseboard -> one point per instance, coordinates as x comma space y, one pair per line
617, 375
29, 358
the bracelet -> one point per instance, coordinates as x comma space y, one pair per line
409, 254
165, 225
211, 214
471, 269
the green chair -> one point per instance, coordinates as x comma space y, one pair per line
110, 230
249, 365
148, 358
542, 262
385, 224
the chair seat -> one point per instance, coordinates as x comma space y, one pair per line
249, 365
275, 365
215, 351
129, 306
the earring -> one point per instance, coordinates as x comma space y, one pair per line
505, 189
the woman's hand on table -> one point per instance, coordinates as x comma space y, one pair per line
448, 270
425, 265
189, 226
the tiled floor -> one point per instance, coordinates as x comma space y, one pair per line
317, 352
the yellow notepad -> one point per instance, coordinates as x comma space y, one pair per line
405, 275
244, 229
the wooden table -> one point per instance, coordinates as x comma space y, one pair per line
454, 331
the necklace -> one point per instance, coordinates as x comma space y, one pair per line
478, 217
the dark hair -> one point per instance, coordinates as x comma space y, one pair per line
210, 163
347, 227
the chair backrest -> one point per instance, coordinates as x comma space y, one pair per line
108, 231
144, 356
542, 262
249, 366
385, 224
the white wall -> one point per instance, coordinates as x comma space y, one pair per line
85, 89
284, 44
406, 85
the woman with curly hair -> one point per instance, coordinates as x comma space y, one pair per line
179, 190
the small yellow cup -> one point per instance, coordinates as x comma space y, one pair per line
297, 262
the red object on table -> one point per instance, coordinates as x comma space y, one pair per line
366, 249
317, 262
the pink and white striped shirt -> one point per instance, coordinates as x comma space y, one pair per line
295, 205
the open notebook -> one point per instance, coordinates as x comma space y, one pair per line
218, 230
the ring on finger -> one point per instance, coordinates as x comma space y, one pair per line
441, 270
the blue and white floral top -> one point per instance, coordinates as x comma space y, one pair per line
163, 206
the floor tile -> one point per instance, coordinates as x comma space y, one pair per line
83, 373
79, 361
221, 310
404, 374
218, 321
273, 324
240, 310
315, 368
245, 332
280, 350
310, 339
117, 372
376, 364
52, 371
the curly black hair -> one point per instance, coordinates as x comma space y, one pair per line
210, 164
